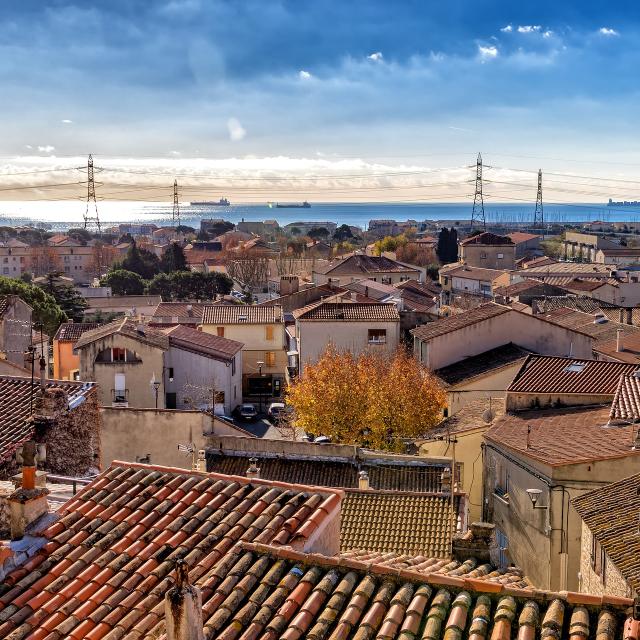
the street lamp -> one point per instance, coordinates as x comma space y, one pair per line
155, 385
534, 494
260, 365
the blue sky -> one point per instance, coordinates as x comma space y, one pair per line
385, 81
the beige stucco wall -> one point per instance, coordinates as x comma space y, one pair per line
390, 277
469, 454
472, 255
614, 583
138, 375
130, 433
523, 401
492, 385
522, 329
314, 336
535, 535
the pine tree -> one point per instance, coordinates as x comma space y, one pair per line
173, 259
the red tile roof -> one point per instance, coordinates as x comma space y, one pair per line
366, 264
71, 331
15, 408
611, 513
125, 327
348, 312
565, 436
459, 321
242, 314
520, 236
186, 312
626, 402
203, 343
551, 374
109, 560
487, 238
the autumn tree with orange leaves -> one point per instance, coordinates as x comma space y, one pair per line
368, 400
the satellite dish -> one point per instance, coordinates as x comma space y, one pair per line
488, 416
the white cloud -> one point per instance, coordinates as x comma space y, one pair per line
304, 75
65, 121
47, 148
28, 146
606, 31
376, 57
547, 34
487, 53
236, 130
175, 154
528, 28
460, 129
507, 29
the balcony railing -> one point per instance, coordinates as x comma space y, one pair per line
119, 396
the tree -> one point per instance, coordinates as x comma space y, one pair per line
369, 400
173, 259
79, 235
141, 261
44, 259
45, 309
343, 232
66, 296
103, 257
215, 229
190, 285
447, 249
183, 228
295, 231
161, 285
317, 233
413, 253
123, 283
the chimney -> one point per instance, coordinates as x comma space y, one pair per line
621, 315
190, 310
445, 480
363, 480
253, 471
183, 607
27, 503
629, 316
478, 542
619, 344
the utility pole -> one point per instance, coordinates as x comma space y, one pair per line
91, 197
477, 215
538, 216
176, 204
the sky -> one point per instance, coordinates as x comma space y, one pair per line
239, 89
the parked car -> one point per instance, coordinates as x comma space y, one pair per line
275, 410
248, 412
322, 440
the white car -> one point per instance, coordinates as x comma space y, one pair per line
275, 410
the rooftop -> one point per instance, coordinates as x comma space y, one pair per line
519, 287
242, 314
411, 523
459, 321
117, 302
626, 402
611, 513
125, 327
460, 270
558, 437
179, 311
571, 268
348, 312
360, 263
15, 408
71, 331
586, 304
487, 238
519, 236
482, 364
106, 566
554, 374
203, 343
476, 414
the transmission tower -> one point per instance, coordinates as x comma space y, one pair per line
477, 215
176, 204
91, 198
538, 216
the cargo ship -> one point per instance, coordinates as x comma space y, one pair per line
623, 203
293, 205
223, 202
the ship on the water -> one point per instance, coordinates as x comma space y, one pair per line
623, 203
292, 205
223, 202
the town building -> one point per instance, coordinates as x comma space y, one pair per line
583, 247
260, 328
178, 313
66, 363
458, 278
488, 251
139, 366
360, 267
141, 305
15, 258
349, 326
527, 244
15, 329
303, 228
620, 257
535, 463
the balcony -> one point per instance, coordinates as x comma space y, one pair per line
120, 398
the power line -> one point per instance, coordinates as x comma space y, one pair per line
538, 215
91, 197
176, 205
477, 215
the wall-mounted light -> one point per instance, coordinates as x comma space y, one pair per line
534, 495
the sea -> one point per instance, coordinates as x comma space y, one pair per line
62, 215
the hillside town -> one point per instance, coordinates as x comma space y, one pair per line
424, 429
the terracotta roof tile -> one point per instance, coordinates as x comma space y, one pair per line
460, 321
563, 436
626, 401
15, 403
551, 374
366, 265
203, 343
611, 513
125, 327
71, 331
182, 312
241, 314
348, 312
487, 238
105, 580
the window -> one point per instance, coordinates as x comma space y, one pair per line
118, 355
220, 332
5, 260
500, 256
119, 391
574, 367
170, 377
386, 279
269, 332
446, 281
598, 559
501, 488
377, 336
270, 358
483, 255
